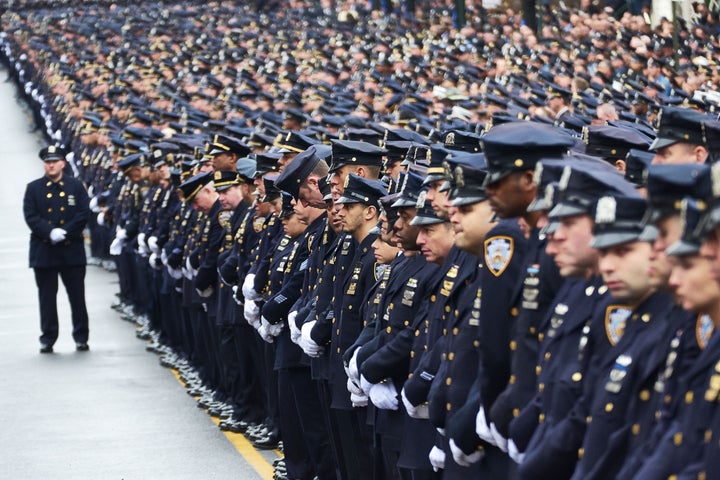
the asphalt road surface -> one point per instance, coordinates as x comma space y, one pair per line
110, 413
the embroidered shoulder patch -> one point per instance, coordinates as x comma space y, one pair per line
703, 330
498, 253
615, 319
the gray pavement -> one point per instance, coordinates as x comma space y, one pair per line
111, 413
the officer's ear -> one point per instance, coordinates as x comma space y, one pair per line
620, 166
700, 154
371, 212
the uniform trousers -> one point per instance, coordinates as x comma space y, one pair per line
47, 282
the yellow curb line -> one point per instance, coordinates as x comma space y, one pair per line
245, 448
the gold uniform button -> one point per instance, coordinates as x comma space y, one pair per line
62, 222
645, 395
609, 407
511, 381
476, 343
338, 350
444, 356
447, 309
432, 298
417, 333
678, 439
444, 332
636, 429
689, 396
333, 321
645, 318
62, 209
672, 477
541, 387
349, 307
49, 195
456, 331
388, 329
406, 323
547, 356
668, 399
49, 210
576, 377
588, 419
708, 436
541, 418
448, 406
532, 330
451, 356
513, 345
448, 381
541, 336
412, 354
581, 452
538, 370
516, 412
514, 311
62, 194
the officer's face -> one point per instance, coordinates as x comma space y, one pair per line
54, 170
333, 218
471, 224
352, 216
570, 247
303, 212
231, 197
337, 180
384, 252
309, 193
285, 159
624, 270
674, 154
669, 231
293, 226
393, 169
435, 241
204, 200
437, 199
223, 161
509, 195
406, 233
695, 290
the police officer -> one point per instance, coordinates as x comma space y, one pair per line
56, 208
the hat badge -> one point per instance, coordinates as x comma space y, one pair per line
421, 200
459, 178
218, 175
715, 177
549, 196
537, 175
683, 215
605, 211
51, 149
565, 178
347, 181
450, 139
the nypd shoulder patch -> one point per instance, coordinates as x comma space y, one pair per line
703, 330
499, 251
615, 319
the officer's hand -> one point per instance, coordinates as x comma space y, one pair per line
264, 334
482, 428
205, 293
420, 411
175, 273
500, 441
101, 219
364, 384
116, 247
353, 387
352, 367
121, 233
237, 299
437, 458
384, 395
295, 332
248, 288
152, 243
515, 452
463, 459
154, 261
57, 235
94, 207
308, 345
358, 400
252, 313
273, 329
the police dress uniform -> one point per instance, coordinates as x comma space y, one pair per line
48, 205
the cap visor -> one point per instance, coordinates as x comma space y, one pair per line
682, 248
610, 239
562, 210
660, 142
460, 201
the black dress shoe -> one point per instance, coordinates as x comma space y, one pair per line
81, 347
267, 443
46, 348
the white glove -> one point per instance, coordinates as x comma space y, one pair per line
91, 191
153, 261
437, 458
57, 235
295, 332
176, 274
152, 244
515, 452
461, 458
358, 400
482, 428
264, 334
205, 293
237, 300
94, 207
384, 395
116, 247
163, 257
354, 387
440, 430
500, 441
352, 368
248, 287
101, 219
364, 384
308, 345
252, 313
421, 411
272, 329
141, 240
190, 270
187, 273
121, 233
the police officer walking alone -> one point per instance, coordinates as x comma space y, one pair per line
56, 209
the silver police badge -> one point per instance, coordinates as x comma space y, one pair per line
615, 319
498, 253
605, 210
